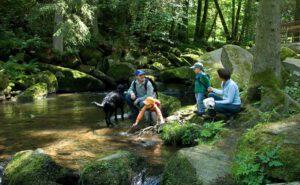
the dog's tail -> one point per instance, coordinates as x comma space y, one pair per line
98, 104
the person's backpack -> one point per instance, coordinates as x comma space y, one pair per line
146, 82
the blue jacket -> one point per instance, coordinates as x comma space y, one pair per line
230, 93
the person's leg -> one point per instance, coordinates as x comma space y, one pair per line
215, 96
200, 104
227, 108
153, 118
134, 110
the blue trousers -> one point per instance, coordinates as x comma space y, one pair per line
227, 109
134, 109
199, 100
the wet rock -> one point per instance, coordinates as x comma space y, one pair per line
70, 80
114, 169
35, 92
32, 167
121, 71
177, 75
200, 165
286, 52
239, 62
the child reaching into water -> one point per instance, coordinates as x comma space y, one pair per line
153, 106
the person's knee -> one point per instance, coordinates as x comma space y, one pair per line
211, 95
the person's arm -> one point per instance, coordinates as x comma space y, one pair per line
140, 116
131, 88
159, 114
149, 92
230, 96
218, 91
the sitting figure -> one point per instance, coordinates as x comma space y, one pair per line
152, 106
227, 99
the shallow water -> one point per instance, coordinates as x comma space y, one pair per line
73, 132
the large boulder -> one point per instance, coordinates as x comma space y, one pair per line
48, 78
115, 169
212, 62
162, 60
90, 56
239, 62
70, 80
177, 61
169, 104
32, 167
286, 52
35, 92
278, 142
294, 46
200, 165
191, 58
121, 71
292, 65
177, 75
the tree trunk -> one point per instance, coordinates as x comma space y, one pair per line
203, 22
95, 24
58, 43
265, 79
212, 26
237, 18
184, 33
297, 12
232, 18
198, 19
246, 20
227, 34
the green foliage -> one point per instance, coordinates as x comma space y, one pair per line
267, 116
251, 167
187, 134
181, 134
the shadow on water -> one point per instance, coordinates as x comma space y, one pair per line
72, 131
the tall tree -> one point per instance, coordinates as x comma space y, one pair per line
266, 73
297, 12
225, 27
58, 41
232, 17
184, 32
236, 22
203, 21
198, 20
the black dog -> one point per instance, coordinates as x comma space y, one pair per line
111, 102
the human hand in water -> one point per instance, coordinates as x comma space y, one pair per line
210, 89
135, 124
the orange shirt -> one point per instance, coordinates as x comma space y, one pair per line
155, 107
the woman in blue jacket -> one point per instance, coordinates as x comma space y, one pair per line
227, 99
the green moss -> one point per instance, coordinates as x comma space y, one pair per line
70, 80
48, 78
179, 171
177, 61
157, 66
4, 81
121, 71
162, 60
114, 169
177, 75
169, 104
287, 52
192, 58
31, 167
35, 92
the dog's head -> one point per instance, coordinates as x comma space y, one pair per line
121, 88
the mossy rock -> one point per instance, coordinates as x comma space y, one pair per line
200, 165
169, 104
32, 167
177, 75
196, 51
287, 52
177, 61
157, 66
90, 56
265, 137
292, 66
142, 61
121, 71
4, 81
191, 58
175, 51
114, 169
35, 92
70, 80
71, 61
162, 60
239, 62
48, 78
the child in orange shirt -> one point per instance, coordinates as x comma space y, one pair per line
151, 105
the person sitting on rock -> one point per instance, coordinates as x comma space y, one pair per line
152, 106
227, 99
201, 85
139, 90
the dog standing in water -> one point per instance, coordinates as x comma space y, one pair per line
111, 102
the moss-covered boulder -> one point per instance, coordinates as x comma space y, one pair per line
70, 80
48, 78
113, 169
90, 56
141, 62
292, 66
239, 62
177, 75
278, 143
186, 114
121, 71
169, 104
32, 167
162, 60
35, 92
191, 58
200, 165
177, 61
294, 46
287, 52
157, 66
4, 81
175, 51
